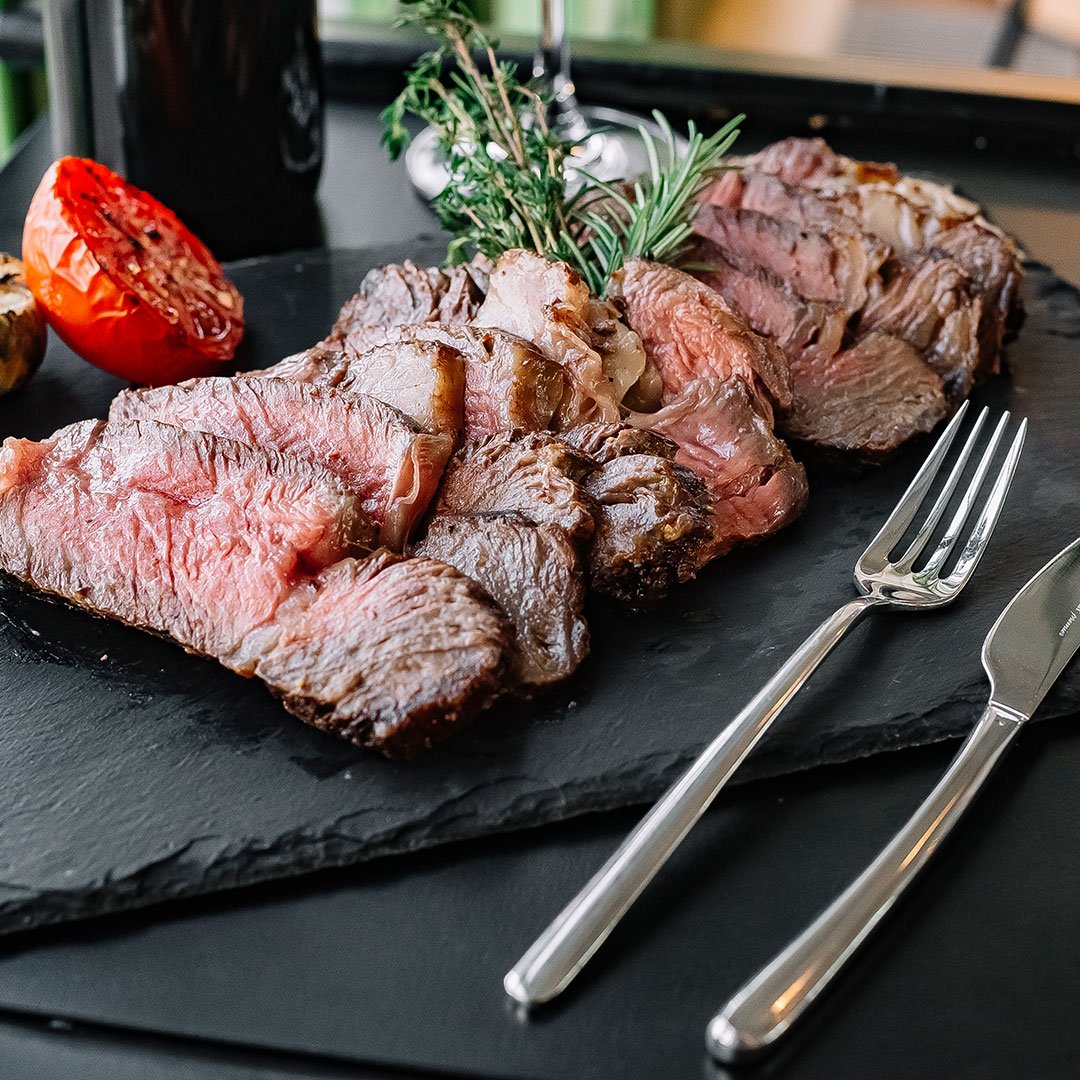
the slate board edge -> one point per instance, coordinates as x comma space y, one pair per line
170, 879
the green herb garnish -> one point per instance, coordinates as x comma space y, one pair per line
508, 164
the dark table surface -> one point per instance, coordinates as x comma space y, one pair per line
394, 968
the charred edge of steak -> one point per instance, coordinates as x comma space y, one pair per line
422, 677
653, 524
535, 574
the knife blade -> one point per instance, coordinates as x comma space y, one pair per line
1026, 649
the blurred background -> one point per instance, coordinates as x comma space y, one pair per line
947, 43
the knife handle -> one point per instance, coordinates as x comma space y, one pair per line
777, 996
583, 925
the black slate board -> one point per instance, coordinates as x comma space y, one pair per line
134, 773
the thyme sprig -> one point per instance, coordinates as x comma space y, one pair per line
509, 165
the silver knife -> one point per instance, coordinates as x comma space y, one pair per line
1025, 651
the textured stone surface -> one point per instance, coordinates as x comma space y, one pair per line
134, 773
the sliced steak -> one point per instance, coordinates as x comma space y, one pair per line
423, 379
869, 399
770, 305
937, 220
236, 552
549, 304
993, 263
603, 442
176, 531
720, 381
652, 526
928, 302
813, 162
310, 366
379, 453
509, 384
397, 295
536, 475
690, 332
837, 265
755, 484
395, 654
535, 575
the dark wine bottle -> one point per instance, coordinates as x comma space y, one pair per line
221, 117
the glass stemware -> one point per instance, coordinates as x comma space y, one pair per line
608, 142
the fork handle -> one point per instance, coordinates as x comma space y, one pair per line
777, 996
567, 944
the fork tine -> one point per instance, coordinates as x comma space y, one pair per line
984, 527
901, 517
903, 565
948, 541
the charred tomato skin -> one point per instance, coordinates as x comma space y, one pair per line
123, 281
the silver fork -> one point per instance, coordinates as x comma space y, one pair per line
564, 948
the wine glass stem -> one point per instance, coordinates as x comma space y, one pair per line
552, 63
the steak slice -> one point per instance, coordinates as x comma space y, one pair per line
870, 398
720, 379
549, 304
770, 306
534, 573
690, 332
928, 302
378, 453
536, 475
390, 653
397, 295
652, 524
237, 552
423, 379
834, 264
937, 219
755, 484
509, 384
603, 442
176, 531
813, 161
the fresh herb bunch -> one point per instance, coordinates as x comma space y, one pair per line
509, 166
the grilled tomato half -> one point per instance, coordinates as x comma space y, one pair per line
123, 281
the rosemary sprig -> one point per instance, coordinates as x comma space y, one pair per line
656, 222
509, 166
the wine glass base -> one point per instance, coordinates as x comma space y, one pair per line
613, 151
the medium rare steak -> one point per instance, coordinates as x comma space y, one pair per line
391, 653
690, 332
652, 525
755, 484
549, 304
923, 302
647, 514
237, 552
535, 575
769, 304
397, 295
536, 475
423, 379
868, 399
180, 532
718, 377
912, 216
836, 265
379, 453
